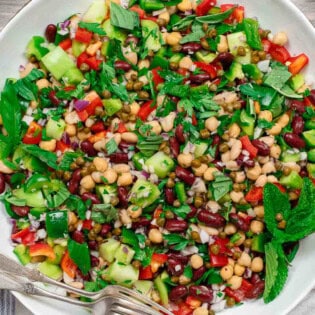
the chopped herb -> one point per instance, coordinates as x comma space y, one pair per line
93, 27
123, 18
179, 241
111, 146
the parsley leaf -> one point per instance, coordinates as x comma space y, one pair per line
123, 18
264, 124
104, 213
221, 186
111, 146
187, 105
67, 159
150, 144
74, 203
184, 23
179, 241
93, 27
192, 37
215, 18
181, 211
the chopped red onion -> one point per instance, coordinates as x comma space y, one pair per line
145, 174
81, 104
21, 68
65, 138
74, 145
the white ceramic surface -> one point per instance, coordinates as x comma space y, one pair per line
275, 15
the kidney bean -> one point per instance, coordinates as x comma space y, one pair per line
122, 194
80, 275
226, 59
179, 134
94, 261
256, 291
105, 229
218, 164
50, 33
192, 213
53, 98
201, 292
197, 273
89, 196
124, 146
239, 222
297, 124
185, 175
78, 236
175, 267
93, 245
179, 257
142, 222
76, 175
263, 148
87, 147
174, 146
2, 183
169, 196
298, 106
212, 219
132, 40
178, 293
122, 65
255, 278
190, 47
73, 186
98, 127
216, 140
294, 140
21, 211
311, 97
174, 225
249, 163
119, 157
199, 78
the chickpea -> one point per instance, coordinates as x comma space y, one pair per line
4, 169
209, 173
125, 179
129, 137
165, 16
226, 156
235, 282
268, 140
173, 38
269, 167
257, 264
100, 145
72, 118
223, 44
156, 127
183, 280
212, 124
134, 108
121, 168
72, 218
275, 151
155, 236
284, 120
185, 160
131, 56
71, 130
236, 149
48, 145
274, 130
87, 182
261, 181
196, 261
259, 211
257, 227
253, 173
230, 229
89, 122
100, 164
232, 166
97, 177
27, 69
234, 130
265, 114
185, 5
167, 122
186, 63
236, 196
244, 260
42, 83
239, 177
239, 270
241, 240
124, 217
280, 38
83, 136
200, 311
199, 171
272, 179
110, 175
134, 211
226, 272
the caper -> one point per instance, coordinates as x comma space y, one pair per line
143, 95
107, 94
196, 163
129, 86
204, 133
137, 86
241, 51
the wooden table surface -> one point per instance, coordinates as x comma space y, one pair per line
9, 7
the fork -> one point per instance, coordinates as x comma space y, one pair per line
119, 298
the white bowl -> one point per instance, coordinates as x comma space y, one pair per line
276, 15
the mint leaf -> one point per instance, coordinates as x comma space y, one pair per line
123, 18
67, 159
215, 18
104, 213
93, 27
184, 23
192, 37
187, 105
264, 124
181, 211
179, 241
111, 146
221, 186
277, 77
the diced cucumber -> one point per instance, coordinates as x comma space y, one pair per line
180, 192
247, 123
293, 180
78, 48
144, 193
161, 163
34, 199
107, 250
96, 12
311, 155
258, 243
113, 32
162, 289
143, 286
176, 58
112, 106
290, 157
138, 160
309, 137
311, 169
50, 270
58, 62
55, 128
205, 57
59, 251
235, 72
73, 77
151, 33
35, 49
122, 274
22, 159
200, 149
124, 254
297, 81
22, 254
236, 40
106, 192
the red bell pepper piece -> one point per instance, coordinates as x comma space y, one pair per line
192, 302
219, 260
98, 127
33, 134
84, 36
87, 225
281, 188
266, 44
236, 16
93, 63
247, 145
66, 44
145, 273
156, 78
208, 68
255, 194
204, 7
82, 59
121, 128
183, 309
239, 294
159, 258
42, 250
68, 266
137, 9
96, 102
222, 242
24, 236
298, 63
279, 53
145, 110
97, 137
83, 115
61, 146
194, 120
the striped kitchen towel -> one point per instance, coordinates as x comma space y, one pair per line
7, 303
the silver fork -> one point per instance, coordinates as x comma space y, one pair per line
116, 296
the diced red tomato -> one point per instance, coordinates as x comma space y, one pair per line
137, 9
42, 250
24, 236
82, 59
222, 242
145, 110
96, 102
281, 188
84, 36
298, 63
194, 120
61, 146
68, 266
98, 127
279, 53
97, 137
255, 194
240, 294
66, 44
219, 260
93, 63
248, 146
121, 128
160, 258
83, 115
208, 68
87, 225
157, 79
192, 302
145, 273
236, 16
33, 134
266, 44
204, 7
183, 309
